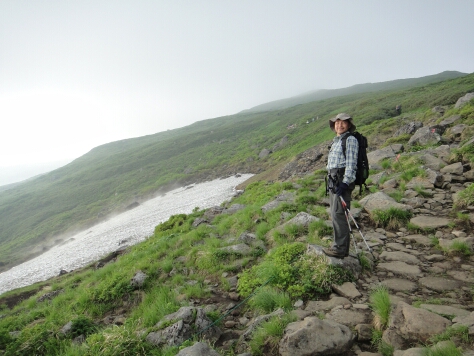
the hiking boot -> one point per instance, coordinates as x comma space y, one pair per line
333, 252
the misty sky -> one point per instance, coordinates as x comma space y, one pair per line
78, 74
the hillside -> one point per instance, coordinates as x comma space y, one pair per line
111, 177
249, 276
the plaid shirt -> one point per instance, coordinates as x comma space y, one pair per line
336, 157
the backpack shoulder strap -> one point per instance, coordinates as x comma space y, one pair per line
343, 142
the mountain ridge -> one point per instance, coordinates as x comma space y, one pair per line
322, 94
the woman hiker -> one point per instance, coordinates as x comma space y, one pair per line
341, 175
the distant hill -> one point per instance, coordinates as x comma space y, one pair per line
355, 89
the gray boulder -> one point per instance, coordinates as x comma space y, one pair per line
187, 320
264, 153
409, 325
284, 197
464, 100
450, 120
381, 201
138, 279
409, 128
316, 337
426, 135
198, 349
391, 151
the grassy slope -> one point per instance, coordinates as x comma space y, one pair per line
112, 176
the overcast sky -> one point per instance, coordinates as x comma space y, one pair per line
78, 74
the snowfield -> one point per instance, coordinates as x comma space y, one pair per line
127, 228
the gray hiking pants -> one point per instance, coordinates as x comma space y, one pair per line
339, 222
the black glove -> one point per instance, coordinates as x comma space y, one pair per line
341, 189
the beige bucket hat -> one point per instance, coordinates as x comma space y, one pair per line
342, 116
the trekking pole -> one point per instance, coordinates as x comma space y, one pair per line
344, 205
350, 230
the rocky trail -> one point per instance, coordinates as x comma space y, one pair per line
431, 285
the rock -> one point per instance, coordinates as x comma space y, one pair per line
432, 162
455, 168
255, 323
400, 285
439, 284
346, 290
450, 120
199, 221
350, 317
247, 238
438, 110
50, 295
427, 135
188, 320
445, 310
410, 325
400, 256
66, 329
264, 153
418, 182
212, 212
391, 151
233, 209
400, 268
364, 332
409, 128
285, 197
301, 219
138, 280
316, 337
414, 351
418, 239
239, 249
350, 263
322, 306
429, 222
198, 349
464, 100
381, 201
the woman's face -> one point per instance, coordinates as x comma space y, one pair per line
341, 126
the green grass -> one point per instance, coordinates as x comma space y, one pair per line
460, 332
392, 218
266, 338
380, 304
268, 299
448, 349
459, 247
465, 198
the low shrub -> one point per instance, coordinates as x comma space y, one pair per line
173, 223
292, 271
82, 325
